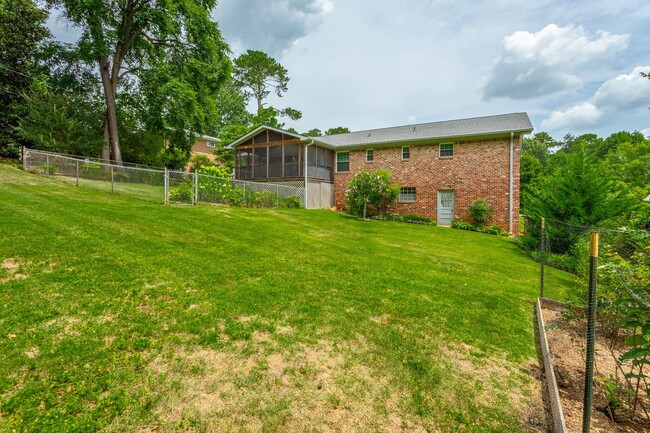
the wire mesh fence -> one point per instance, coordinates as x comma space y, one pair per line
611, 303
161, 185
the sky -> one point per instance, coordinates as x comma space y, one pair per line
572, 66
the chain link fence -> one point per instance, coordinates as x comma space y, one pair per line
161, 185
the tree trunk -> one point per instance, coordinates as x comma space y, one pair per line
365, 204
111, 111
106, 148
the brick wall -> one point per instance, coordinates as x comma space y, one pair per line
479, 168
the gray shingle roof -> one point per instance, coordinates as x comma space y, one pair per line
478, 126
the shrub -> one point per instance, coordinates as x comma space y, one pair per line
480, 211
414, 219
370, 192
492, 230
182, 193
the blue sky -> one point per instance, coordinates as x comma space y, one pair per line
573, 67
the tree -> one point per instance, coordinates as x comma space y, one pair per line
577, 193
258, 74
370, 191
171, 52
22, 28
337, 130
313, 133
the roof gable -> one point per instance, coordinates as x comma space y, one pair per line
259, 129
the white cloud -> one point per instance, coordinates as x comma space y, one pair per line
271, 26
622, 93
646, 132
575, 117
543, 63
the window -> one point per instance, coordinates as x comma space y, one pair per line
342, 161
446, 149
406, 152
370, 155
209, 143
407, 194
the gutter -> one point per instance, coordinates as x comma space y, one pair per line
306, 167
511, 183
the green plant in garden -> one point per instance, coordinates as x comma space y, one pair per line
370, 192
480, 211
182, 193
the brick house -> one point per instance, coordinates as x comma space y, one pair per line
441, 167
204, 145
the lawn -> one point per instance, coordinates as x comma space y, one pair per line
122, 315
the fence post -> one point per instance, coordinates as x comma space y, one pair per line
77, 173
591, 332
277, 195
542, 250
25, 153
112, 180
166, 183
196, 187
47, 165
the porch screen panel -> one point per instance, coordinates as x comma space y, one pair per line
244, 164
291, 161
275, 161
259, 162
312, 158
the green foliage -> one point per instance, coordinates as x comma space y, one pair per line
170, 54
22, 29
199, 161
215, 170
313, 133
183, 193
337, 130
576, 193
406, 218
492, 230
480, 211
370, 192
62, 123
258, 74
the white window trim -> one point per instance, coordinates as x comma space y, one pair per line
408, 201
373, 155
402, 155
210, 143
336, 162
453, 147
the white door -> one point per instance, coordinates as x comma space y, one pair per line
445, 208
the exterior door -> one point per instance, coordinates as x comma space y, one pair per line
445, 208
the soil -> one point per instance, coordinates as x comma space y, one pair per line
567, 342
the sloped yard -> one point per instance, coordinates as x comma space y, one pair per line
121, 315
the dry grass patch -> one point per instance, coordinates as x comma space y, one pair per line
10, 268
498, 382
311, 387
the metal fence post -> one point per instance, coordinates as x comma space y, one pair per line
112, 180
196, 188
277, 195
591, 332
47, 165
166, 183
77, 173
542, 250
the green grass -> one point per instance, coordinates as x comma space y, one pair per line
122, 315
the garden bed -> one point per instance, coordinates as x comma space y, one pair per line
568, 347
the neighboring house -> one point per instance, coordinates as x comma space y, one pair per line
204, 145
441, 167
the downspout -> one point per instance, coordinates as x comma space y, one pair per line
306, 166
511, 186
